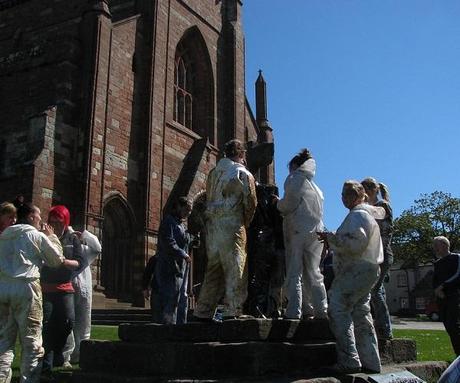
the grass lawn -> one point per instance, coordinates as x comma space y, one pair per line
97, 332
431, 344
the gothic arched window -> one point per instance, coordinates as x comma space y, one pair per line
183, 92
193, 85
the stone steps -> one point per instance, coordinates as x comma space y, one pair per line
115, 317
208, 359
234, 349
236, 330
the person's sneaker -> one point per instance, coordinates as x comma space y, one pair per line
67, 366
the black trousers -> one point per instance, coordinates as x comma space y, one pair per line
450, 315
58, 321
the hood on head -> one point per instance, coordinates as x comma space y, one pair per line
308, 167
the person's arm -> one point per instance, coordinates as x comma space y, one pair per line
148, 275
249, 198
91, 246
291, 198
148, 272
50, 249
352, 237
169, 242
453, 272
77, 263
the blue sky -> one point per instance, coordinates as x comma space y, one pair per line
371, 87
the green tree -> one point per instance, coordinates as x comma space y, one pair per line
433, 214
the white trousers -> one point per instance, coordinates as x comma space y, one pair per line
304, 285
349, 315
82, 327
21, 311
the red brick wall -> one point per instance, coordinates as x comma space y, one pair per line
110, 80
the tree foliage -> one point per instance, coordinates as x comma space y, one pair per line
433, 214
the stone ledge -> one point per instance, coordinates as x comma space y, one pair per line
229, 331
201, 360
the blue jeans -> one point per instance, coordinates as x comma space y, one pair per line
169, 300
382, 320
58, 321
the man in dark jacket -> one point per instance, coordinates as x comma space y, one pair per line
446, 284
170, 274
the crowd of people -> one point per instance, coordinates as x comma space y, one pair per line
45, 278
45, 289
361, 248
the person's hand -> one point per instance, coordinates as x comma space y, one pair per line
47, 229
146, 293
322, 236
439, 292
78, 234
188, 259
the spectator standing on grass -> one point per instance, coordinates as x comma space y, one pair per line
446, 284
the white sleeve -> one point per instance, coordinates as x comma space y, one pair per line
352, 237
51, 250
291, 198
91, 246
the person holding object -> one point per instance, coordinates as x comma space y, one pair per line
230, 205
58, 291
23, 251
302, 211
358, 253
169, 301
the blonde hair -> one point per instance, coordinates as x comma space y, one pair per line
354, 188
7, 208
442, 239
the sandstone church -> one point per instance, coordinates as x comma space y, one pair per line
113, 107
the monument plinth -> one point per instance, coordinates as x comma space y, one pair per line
242, 350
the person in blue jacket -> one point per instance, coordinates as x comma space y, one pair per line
170, 275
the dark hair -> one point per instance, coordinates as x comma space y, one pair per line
300, 158
181, 202
370, 183
233, 148
24, 211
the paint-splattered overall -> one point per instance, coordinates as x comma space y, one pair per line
358, 252
231, 203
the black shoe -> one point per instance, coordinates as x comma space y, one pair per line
195, 319
369, 371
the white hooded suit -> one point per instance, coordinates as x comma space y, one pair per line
83, 286
302, 211
23, 251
